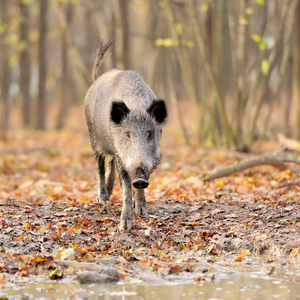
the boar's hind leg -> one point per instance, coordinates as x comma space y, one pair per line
102, 195
139, 202
126, 215
110, 174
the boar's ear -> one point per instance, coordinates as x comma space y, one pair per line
158, 111
118, 112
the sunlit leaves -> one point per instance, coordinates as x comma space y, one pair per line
249, 10
168, 42
179, 28
265, 66
189, 44
26, 2
256, 37
243, 21
23, 46
262, 42
204, 7
2, 29
262, 46
70, 1
164, 42
261, 2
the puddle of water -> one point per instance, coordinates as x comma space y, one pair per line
234, 287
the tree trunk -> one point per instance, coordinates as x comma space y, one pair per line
63, 97
4, 75
296, 69
25, 64
41, 105
123, 4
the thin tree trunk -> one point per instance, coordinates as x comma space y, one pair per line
220, 101
266, 78
25, 65
4, 75
123, 5
296, 69
41, 105
241, 50
186, 70
63, 97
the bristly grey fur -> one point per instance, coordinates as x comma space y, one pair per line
125, 121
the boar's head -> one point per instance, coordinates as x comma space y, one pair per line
136, 138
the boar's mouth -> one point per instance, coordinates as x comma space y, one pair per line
140, 180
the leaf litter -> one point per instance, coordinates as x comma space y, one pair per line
193, 230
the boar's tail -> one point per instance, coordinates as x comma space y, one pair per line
101, 55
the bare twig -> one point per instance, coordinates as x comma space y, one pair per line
275, 161
285, 184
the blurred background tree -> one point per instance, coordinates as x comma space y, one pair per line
229, 69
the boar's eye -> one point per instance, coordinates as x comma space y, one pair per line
149, 135
128, 135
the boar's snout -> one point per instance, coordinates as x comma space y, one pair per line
140, 181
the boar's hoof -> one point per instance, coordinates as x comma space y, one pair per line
126, 224
140, 208
126, 217
140, 183
102, 198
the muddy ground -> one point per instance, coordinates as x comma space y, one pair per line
173, 229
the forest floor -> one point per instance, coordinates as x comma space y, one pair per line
48, 212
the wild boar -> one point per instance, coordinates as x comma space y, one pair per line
125, 120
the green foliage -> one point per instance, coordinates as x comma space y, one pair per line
265, 66
204, 7
249, 11
26, 2
263, 45
261, 2
23, 46
2, 29
169, 42
179, 28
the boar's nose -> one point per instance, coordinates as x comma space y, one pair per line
140, 181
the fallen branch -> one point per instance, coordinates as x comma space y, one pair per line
288, 143
273, 160
286, 184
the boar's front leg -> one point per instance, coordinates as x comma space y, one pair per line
126, 215
139, 202
110, 174
102, 195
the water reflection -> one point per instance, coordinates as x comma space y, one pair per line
235, 287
